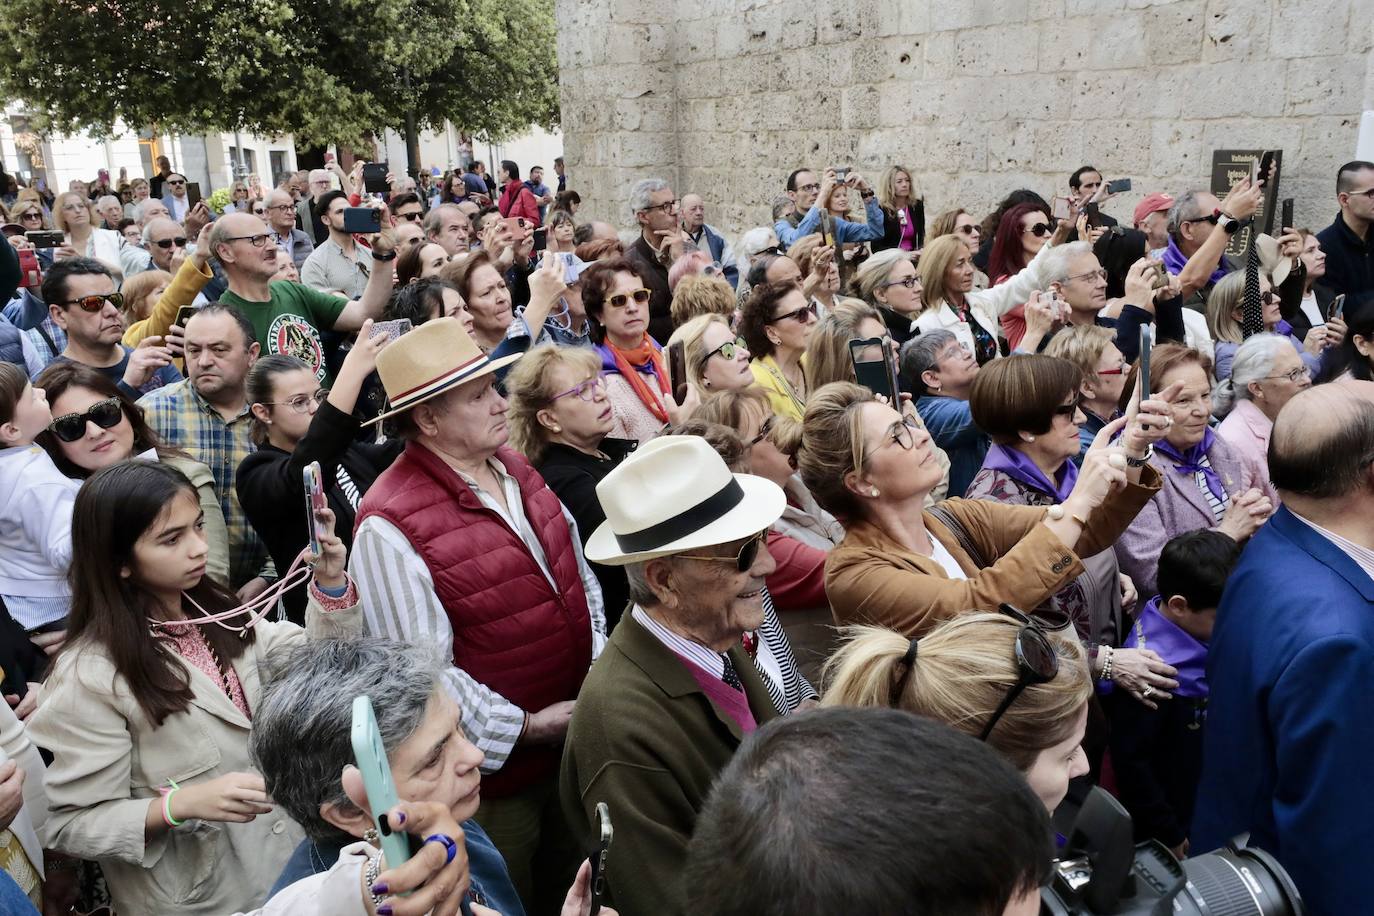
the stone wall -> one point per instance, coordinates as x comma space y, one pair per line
724, 97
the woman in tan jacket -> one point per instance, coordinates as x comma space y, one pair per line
147, 712
906, 568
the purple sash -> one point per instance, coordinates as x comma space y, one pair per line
1158, 633
1019, 467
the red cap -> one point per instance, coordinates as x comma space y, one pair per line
1152, 204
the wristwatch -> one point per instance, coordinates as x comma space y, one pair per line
1228, 224
390, 256
1143, 459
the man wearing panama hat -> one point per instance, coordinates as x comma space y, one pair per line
461, 544
675, 693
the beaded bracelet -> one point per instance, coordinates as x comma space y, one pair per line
1107, 664
374, 865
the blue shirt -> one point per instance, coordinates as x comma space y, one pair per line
950, 422
845, 231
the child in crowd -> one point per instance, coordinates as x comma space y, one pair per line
35, 510
1157, 753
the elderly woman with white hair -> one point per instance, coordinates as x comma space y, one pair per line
1265, 374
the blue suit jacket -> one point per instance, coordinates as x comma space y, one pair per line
1289, 739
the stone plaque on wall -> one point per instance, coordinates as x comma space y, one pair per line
1230, 166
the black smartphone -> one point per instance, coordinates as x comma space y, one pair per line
1337, 307
1286, 214
192, 193
541, 238
45, 238
374, 177
876, 369
677, 370
601, 848
184, 315
362, 220
1146, 341
1119, 185
1265, 163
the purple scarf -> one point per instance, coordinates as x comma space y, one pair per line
1189, 462
1158, 633
1175, 260
1020, 468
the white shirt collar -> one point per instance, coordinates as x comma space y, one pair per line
680, 646
1362, 555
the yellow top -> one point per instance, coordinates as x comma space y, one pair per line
786, 401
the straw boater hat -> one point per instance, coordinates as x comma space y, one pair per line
433, 358
673, 495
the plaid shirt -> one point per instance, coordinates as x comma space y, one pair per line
185, 420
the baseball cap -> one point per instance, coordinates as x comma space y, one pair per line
1152, 204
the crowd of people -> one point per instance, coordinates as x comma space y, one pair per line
833, 563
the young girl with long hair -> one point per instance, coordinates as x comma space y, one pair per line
148, 708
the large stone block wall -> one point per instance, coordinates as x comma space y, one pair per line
976, 97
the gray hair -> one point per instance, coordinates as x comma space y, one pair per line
434, 219
142, 208
1254, 360
301, 738
876, 270
1185, 208
1055, 263
108, 197
152, 224
642, 192
640, 592
921, 354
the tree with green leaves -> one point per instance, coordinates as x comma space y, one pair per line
327, 71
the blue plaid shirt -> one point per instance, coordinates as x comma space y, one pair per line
185, 420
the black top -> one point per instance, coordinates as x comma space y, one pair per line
655, 279
1349, 259
892, 226
271, 488
573, 476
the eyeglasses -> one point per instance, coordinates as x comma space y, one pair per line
765, 428
900, 433
1269, 298
32, 214
710, 270
97, 302
668, 206
909, 282
771, 249
164, 244
1119, 370
809, 188
259, 211
175, 184
301, 402
730, 349
800, 315
969, 229
1209, 218
1293, 375
72, 426
620, 300
257, 241
744, 560
410, 217
282, 207
1039, 230
1366, 194
585, 390
1099, 274
1070, 409
1036, 663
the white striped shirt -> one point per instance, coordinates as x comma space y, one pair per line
1363, 556
397, 593
1218, 506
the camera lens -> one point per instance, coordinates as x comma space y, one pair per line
1245, 882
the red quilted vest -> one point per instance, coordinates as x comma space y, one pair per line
511, 631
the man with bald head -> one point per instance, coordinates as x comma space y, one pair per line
162, 239
1290, 721
708, 238
281, 218
149, 210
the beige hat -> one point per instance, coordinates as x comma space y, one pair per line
1271, 262
675, 494
436, 356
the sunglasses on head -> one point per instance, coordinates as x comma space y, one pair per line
620, 300
1036, 662
97, 302
72, 426
164, 244
744, 560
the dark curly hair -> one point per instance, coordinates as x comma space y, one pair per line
757, 314
597, 281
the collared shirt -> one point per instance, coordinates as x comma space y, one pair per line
1359, 553
295, 244
330, 269
185, 420
399, 602
178, 207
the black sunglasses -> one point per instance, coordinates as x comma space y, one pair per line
1212, 218
164, 244
1039, 230
1068, 410
799, 315
72, 426
1036, 663
744, 560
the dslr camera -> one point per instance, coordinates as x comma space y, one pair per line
1102, 871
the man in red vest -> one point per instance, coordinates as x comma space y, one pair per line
461, 544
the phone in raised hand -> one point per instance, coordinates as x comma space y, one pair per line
1146, 342
370, 755
314, 502
677, 371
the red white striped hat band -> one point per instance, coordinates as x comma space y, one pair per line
430, 360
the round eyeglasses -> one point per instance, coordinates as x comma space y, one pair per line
586, 390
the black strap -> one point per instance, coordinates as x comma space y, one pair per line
947, 518
684, 523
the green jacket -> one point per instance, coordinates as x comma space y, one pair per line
645, 739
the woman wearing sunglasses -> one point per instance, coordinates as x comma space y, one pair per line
637, 382
1022, 232
999, 677
908, 568
1031, 407
296, 422
1224, 311
717, 360
776, 325
561, 420
96, 425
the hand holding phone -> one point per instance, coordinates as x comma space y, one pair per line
876, 369
370, 754
1286, 214
1337, 307
184, 315
602, 835
362, 220
1146, 342
391, 329
1118, 186
192, 194
677, 371
314, 501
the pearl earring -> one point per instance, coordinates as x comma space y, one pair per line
873, 491
558, 429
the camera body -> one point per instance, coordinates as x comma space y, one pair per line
1102, 872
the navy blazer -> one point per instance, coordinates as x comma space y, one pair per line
1290, 726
